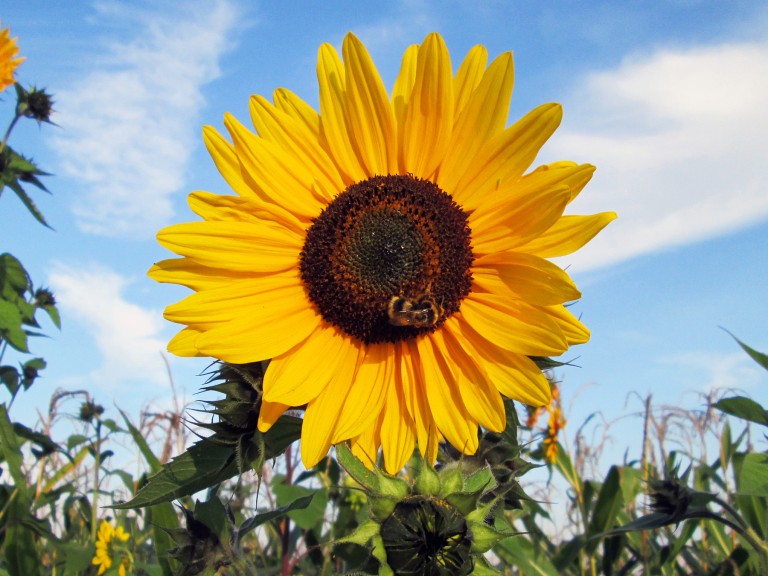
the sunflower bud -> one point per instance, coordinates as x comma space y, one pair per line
90, 410
670, 497
34, 103
44, 297
440, 524
426, 535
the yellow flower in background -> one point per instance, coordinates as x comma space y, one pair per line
106, 552
555, 424
8, 63
389, 253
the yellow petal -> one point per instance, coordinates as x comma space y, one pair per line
238, 300
269, 413
573, 175
445, 403
238, 246
468, 76
478, 393
191, 274
226, 160
183, 344
223, 154
366, 445
401, 94
526, 277
278, 177
574, 331
429, 117
365, 399
513, 325
397, 431
370, 119
227, 208
297, 376
482, 119
333, 124
409, 375
244, 342
506, 156
514, 375
299, 143
513, 222
567, 235
322, 415
295, 107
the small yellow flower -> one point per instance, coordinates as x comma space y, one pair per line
8, 63
108, 549
555, 423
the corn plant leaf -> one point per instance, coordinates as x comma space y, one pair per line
519, 552
154, 463
306, 517
753, 477
256, 521
609, 502
744, 408
758, 357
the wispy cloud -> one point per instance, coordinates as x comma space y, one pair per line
126, 335
680, 139
129, 122
707, 371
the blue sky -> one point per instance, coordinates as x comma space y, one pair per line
666, 98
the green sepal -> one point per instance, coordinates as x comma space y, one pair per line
355, 468
485, 537
381, 506
483, 568
427, 480
451, 480
362, 534
392, 485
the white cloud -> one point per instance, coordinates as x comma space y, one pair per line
129, 122
127, 336
708, 371
680, 139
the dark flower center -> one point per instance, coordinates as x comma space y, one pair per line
427, 537
388, 259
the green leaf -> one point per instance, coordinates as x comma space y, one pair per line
11, 447
53, 314
609, 503
204, 464
744, 408
28, 202
259, 519
753, 478
162, 518
19, 544
307, 517
356, 468
10, 377
47, 446
77, 557
138, 438
10, 315
13, 274
758, 357
519, 552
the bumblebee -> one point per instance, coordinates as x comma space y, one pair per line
418, 312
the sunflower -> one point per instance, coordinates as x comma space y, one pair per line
8, 63
109, 548
388, 254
